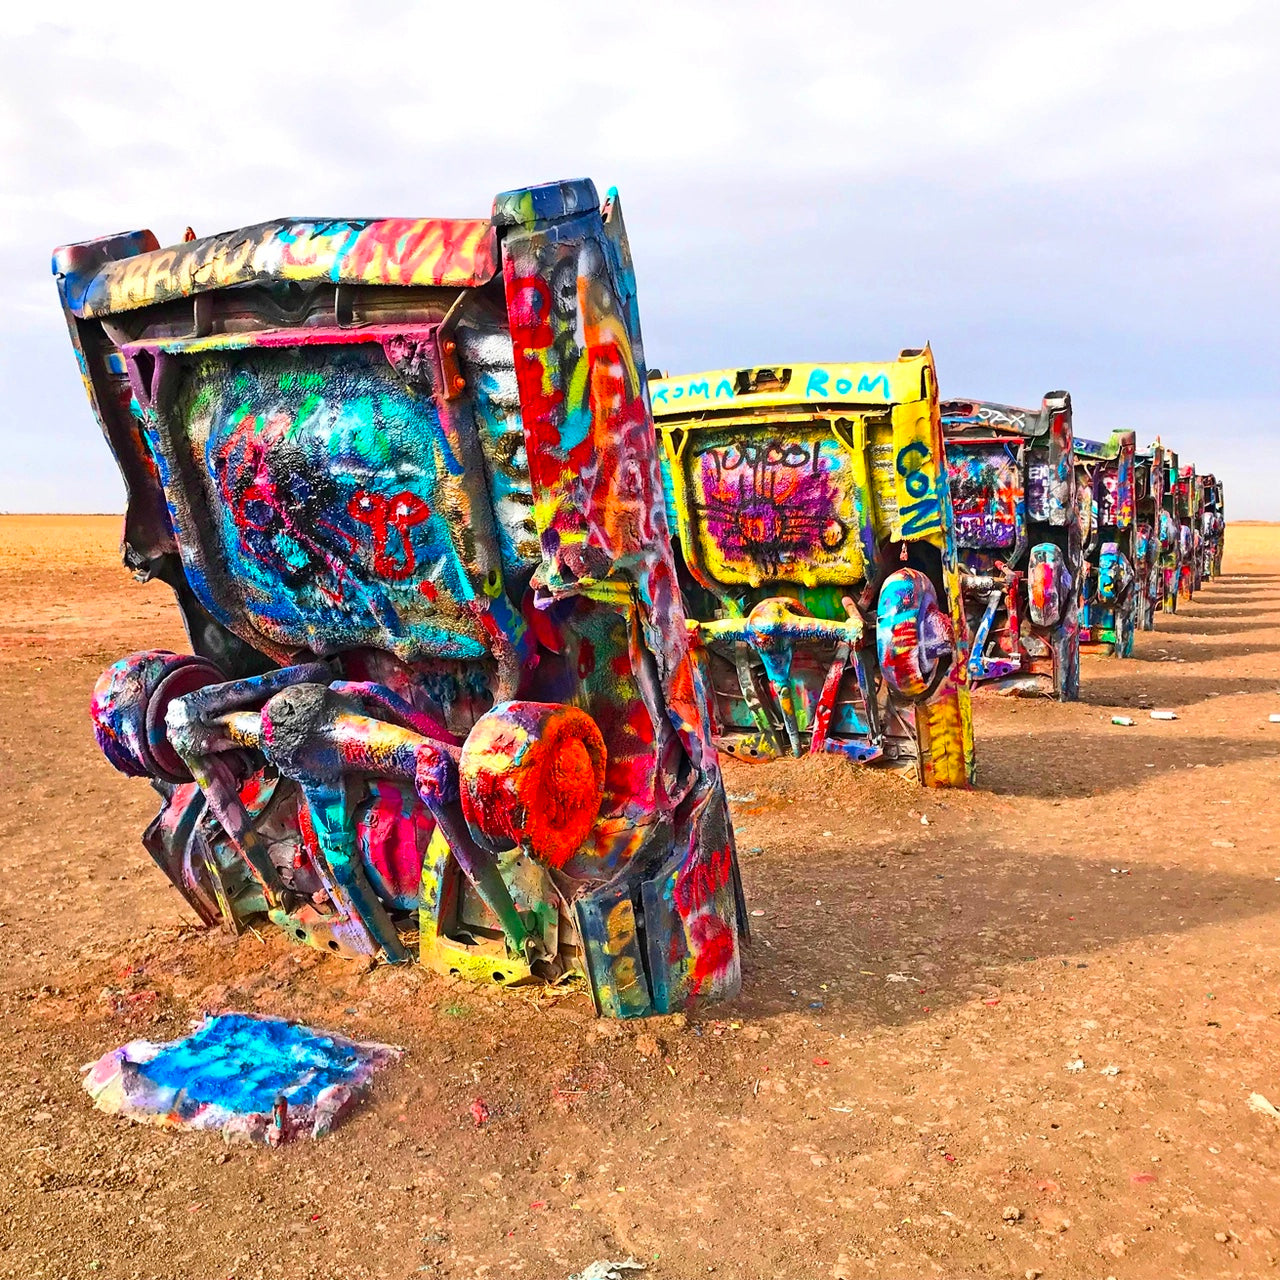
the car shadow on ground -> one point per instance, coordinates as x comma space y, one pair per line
1071, 763
1202, 623
1178, 650
889, 938
1149, 685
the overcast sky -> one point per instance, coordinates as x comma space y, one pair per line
1078, 195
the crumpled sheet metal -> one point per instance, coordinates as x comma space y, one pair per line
442, 698
800, 496
263, 1079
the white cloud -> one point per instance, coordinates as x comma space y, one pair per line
1081, 194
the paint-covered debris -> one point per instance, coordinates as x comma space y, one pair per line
264, 1079
606, 1270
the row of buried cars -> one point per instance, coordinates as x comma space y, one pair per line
474, 602
856, 553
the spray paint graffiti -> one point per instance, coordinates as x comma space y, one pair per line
1213, 526
1013, 488
442, 687
813, 516
262, 1079
1150, 480
1109, 583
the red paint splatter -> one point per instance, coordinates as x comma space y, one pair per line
384, 515
699, 881
714, 949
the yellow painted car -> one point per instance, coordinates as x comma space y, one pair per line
812, 519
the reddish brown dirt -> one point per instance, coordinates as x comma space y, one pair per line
892, 1079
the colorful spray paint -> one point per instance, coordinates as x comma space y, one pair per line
1013, 488
814, 530
1214, 523
402, 477
262, 1079
1150, 475
1109, 584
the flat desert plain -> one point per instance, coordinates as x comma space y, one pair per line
1017, 1039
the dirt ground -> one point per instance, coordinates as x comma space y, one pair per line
1017, 1039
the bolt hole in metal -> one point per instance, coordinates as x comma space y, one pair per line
333, 946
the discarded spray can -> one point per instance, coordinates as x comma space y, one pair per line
1124, 720
1163, 715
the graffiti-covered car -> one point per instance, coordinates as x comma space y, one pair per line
1169, 533
813, 531
1214, 526
1109, 587
1013, 485
1187, 507
402, 478
1150, 475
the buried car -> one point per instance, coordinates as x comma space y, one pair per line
1188, 506
1170, 538
1013, 484
813, 530
1150, 475
1214, 526
1109, 588
402, 478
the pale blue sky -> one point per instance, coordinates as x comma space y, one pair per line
1082, 195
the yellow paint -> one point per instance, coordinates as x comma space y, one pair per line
620, 926
883, 454
945, 733
865, 385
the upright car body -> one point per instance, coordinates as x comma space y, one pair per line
814, 540
401, 475
1109, 584
1013, 489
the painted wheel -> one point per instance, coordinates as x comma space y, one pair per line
129, 705
913, 634
533, 772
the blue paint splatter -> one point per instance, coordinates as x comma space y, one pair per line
245, 1064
